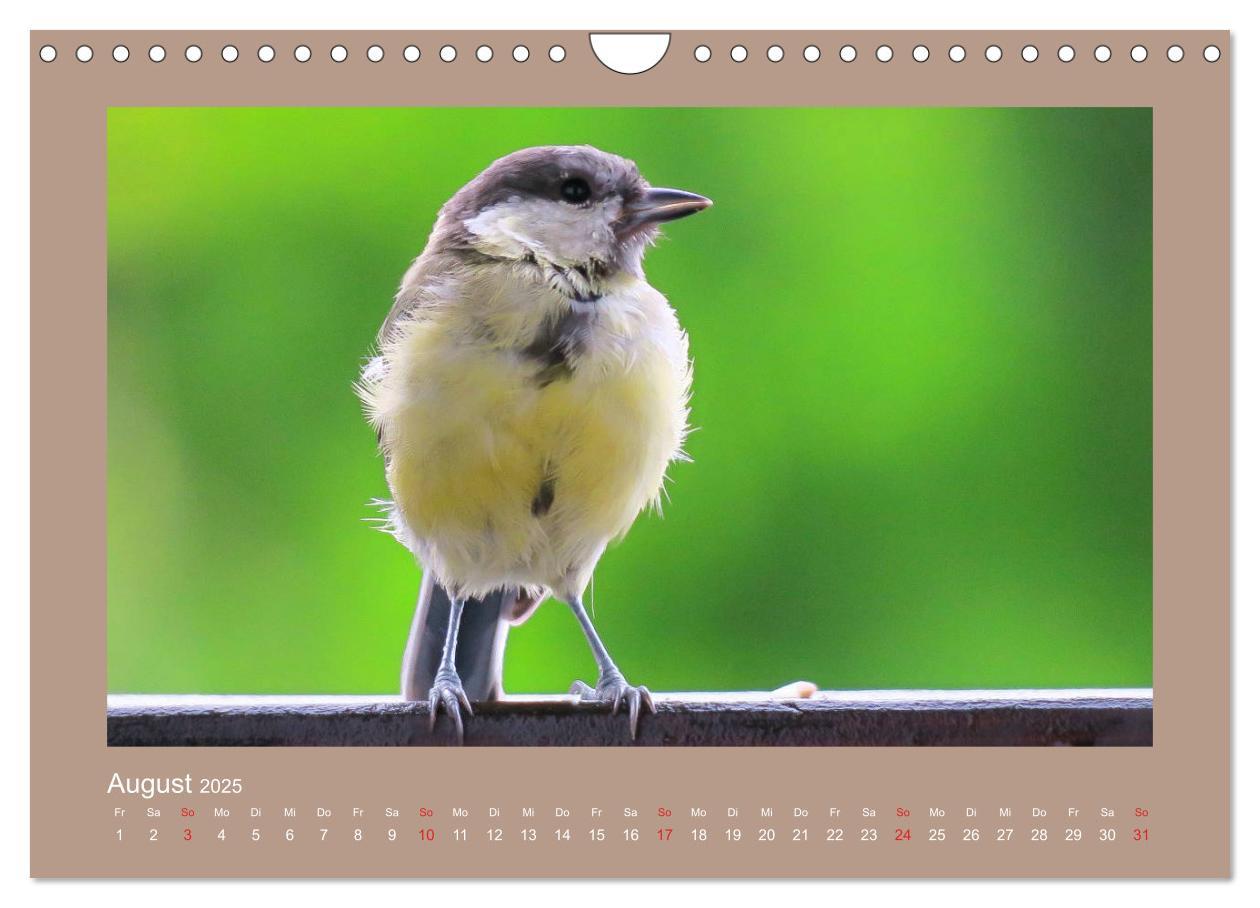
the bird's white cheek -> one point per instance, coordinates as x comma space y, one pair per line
501, 230
551, 231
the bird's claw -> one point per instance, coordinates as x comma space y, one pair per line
448, 692
614, 689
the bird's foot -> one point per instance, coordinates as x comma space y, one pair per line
613, 688
448, 692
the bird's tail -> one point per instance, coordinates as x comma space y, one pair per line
483, 633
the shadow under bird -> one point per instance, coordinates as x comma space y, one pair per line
530, 391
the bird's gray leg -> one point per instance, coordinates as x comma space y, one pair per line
447, 690
611, 686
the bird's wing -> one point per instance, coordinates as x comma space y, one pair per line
421, 289
426, 287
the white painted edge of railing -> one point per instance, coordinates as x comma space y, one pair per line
914, 698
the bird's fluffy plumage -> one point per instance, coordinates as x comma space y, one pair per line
530, 390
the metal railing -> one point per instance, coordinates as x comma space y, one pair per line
1089, 717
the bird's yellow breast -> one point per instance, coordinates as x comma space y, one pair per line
502, 478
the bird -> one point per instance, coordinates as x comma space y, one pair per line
529, 389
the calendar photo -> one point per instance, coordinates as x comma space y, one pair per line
651, 426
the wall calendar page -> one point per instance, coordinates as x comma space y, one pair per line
680, 454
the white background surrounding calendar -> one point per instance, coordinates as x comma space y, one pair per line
648, 14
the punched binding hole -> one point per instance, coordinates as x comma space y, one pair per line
302, 53
774, 53
556, 53
631, 53
520, 53
83, 53
375, 53
192, 53
703, 54
48, 53
811, 53
883, 53
993, 53
1211, 53
339, 54
1102, 53
229, 53
121, 54
485, 53
1176, 54
411, 53
920, 53
266, 53
739, 53
157, 53
958, 53
1138, 53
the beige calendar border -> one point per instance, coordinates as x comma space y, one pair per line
1183, 779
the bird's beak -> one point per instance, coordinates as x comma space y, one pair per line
656, 206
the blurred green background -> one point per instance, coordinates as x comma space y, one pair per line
923, 391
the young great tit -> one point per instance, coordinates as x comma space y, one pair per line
530, 391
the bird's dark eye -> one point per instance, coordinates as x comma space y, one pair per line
575, 190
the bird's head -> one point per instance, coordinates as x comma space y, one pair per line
565, 207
